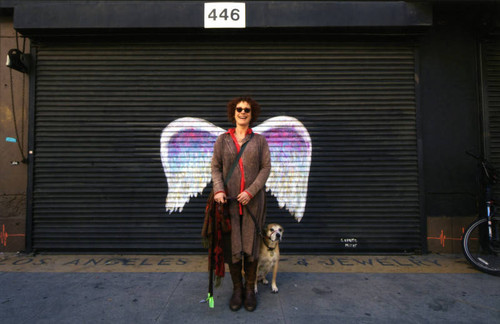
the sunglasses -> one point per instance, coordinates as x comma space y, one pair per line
247, 110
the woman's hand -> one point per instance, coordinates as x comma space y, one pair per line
243, 198
220, 197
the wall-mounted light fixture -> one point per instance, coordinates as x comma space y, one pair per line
19, 61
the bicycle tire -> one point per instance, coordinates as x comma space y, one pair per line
478, 250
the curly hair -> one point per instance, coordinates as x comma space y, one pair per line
254, 105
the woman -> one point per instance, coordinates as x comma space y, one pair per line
247, 182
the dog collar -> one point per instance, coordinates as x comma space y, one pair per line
268, 247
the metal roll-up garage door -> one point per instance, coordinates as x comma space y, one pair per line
491, 101
101, 107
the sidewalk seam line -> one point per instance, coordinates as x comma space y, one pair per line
170, 297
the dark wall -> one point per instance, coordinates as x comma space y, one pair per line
449, 102
13, 176
450, 110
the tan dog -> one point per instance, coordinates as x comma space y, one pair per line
269, 255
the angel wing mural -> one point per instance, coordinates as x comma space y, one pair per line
186, 152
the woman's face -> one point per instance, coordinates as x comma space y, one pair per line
243, 117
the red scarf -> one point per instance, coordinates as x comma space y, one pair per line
238, 147
216, 252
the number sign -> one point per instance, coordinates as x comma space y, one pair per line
225, 15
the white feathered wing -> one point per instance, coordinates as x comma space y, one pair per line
186, 153
290, 146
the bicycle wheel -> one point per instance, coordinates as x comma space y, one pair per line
480, 251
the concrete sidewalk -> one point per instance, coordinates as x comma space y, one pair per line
352, 289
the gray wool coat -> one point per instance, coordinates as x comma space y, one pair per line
256, 168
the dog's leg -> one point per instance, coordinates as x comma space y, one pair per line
274, 287
259, 274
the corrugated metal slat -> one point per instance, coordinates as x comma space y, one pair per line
491, 111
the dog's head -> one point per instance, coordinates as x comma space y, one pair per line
274, 232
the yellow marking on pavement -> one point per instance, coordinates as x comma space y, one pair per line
430, 263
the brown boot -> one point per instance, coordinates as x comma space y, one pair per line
250, 277
237, 297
